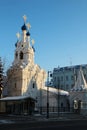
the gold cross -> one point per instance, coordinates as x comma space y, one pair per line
28, 25
18, 35
32, 41
24, 17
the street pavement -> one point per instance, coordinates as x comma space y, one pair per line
11, 119
38, 122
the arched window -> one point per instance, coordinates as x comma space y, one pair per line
21, 55
33, 85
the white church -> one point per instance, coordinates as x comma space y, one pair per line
26, 88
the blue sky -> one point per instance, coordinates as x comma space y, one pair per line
59, 28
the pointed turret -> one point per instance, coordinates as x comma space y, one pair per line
24, 29
81, 82
28, 34
24, 53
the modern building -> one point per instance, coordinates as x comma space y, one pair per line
65, 77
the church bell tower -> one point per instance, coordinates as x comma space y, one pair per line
24, 52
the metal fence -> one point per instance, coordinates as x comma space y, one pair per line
43, 110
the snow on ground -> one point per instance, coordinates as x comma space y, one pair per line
6, 122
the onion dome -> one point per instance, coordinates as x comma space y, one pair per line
33, 48
24, 27
28, 34
16, 44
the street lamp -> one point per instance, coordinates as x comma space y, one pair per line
47, 102
58, 95
48, 83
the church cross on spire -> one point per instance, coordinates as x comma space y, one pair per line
25, 18
28, 26
32, 41
18, 35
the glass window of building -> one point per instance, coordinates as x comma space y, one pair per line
62, 86
72, 85
58, 78
67, 87
85, 76
66, 78
61, 78
54, 79
72, 77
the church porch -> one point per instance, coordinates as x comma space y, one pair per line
18, 105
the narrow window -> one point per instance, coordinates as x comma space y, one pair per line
66, 78
33, 85
72, 77
21, 55
15, 85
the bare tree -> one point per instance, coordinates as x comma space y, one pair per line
1, 77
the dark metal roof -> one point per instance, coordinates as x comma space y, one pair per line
24, 27
28, 34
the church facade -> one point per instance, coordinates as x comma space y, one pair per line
26, 80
